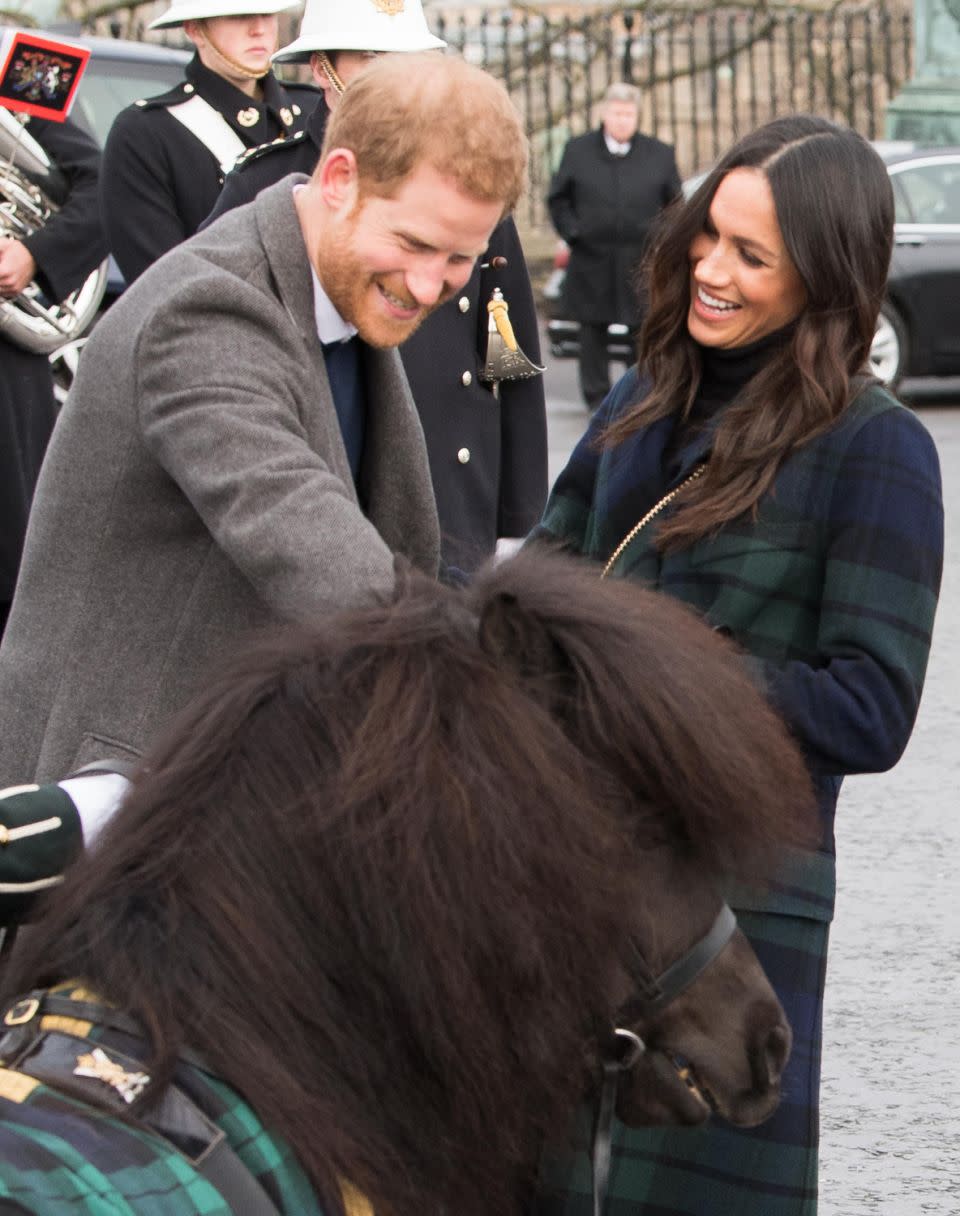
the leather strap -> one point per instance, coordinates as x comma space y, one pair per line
51, 1057
621, 1055
52, 1003
602, 1135
657, 991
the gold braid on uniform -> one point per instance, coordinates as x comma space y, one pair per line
323, 59
498, 309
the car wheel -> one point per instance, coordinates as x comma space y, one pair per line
890, 348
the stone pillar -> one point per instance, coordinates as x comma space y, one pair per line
927, 110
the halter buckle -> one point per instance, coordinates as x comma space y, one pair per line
22, 1012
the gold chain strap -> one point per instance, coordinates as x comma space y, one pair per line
654, 510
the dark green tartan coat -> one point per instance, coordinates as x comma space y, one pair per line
831, 591
61, 1157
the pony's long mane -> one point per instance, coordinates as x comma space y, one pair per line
377, 871
660, 705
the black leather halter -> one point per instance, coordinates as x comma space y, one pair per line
626, 1047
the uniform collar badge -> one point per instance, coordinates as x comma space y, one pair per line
248, 117
98, 1065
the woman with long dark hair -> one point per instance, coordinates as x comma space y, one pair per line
751, 467
364, 919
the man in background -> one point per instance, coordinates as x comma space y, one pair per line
610, 187
240, 447
486, 438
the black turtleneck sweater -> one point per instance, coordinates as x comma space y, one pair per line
725, 373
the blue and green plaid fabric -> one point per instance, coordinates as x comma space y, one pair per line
831, 592
61, 1157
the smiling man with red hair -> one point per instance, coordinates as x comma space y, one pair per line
240, 446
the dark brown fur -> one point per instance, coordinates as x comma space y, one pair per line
380, 872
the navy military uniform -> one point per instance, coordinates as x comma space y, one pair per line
488, 453
160, 180
66, 249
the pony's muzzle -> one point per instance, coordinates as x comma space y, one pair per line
770, 1058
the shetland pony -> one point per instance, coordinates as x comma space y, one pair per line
387, 881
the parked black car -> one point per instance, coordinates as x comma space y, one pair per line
119, 73
919, 329
918, 333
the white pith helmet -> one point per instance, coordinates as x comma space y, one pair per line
195, 10
360, 25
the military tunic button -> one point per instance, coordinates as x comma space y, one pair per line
464, 455
188, 88
286, 117
141, 102
466, 379
296, 110
464, 304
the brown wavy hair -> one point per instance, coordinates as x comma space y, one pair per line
380, 872
834, 204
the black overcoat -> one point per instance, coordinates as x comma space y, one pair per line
488, 456
160, 182
68, 247
603, 206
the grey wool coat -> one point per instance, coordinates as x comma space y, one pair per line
197, 488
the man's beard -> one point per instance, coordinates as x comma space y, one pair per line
355, 293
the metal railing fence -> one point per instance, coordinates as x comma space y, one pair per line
706, 76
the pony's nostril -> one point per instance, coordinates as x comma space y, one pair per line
776, 1052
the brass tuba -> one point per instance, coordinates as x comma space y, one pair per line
31, 190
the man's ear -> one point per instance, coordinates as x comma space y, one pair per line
338, 179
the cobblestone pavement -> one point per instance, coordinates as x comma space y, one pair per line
890, 1113
891, 1071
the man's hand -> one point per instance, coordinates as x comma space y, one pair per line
17, 266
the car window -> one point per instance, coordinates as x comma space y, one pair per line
903, 211
928, 194
109, 86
